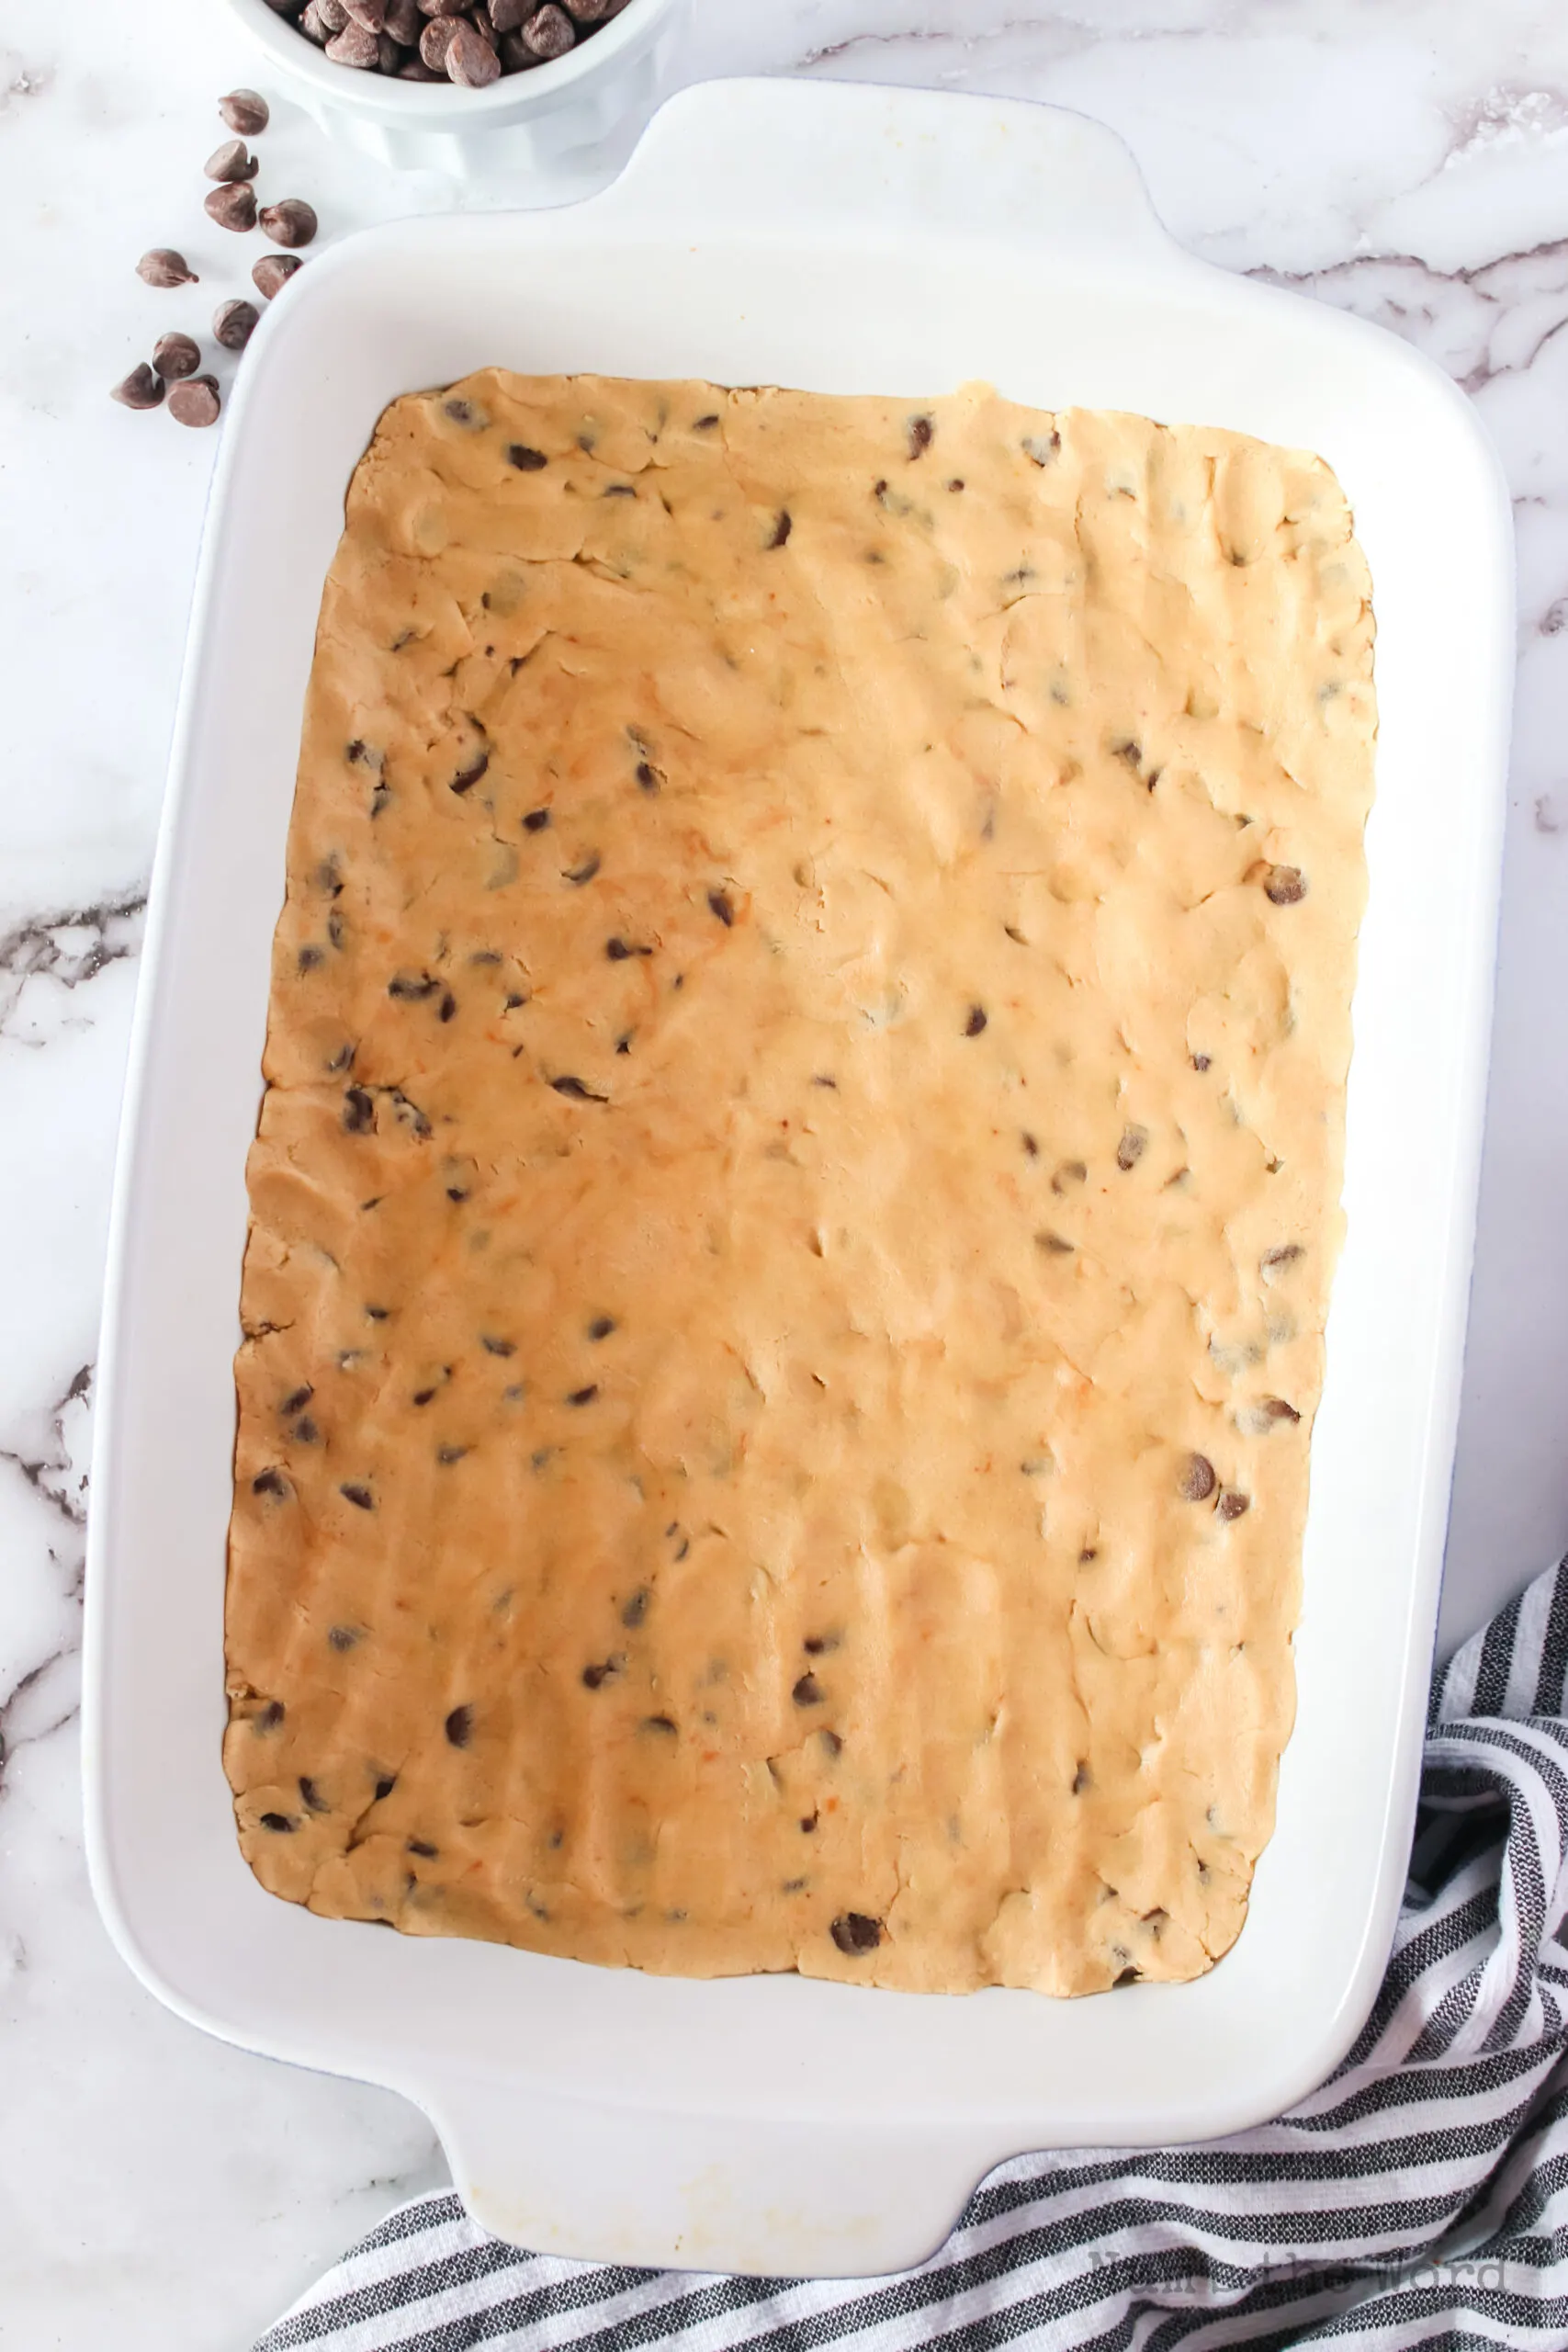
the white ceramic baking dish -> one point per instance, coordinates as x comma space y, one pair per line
846, 239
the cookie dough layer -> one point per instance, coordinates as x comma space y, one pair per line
794, 1207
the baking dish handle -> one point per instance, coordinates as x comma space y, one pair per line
566, 2176
775, 152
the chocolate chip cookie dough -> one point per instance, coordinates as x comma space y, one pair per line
794, 1201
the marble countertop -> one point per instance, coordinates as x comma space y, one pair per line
1407, 161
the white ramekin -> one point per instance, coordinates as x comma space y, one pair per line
559, 119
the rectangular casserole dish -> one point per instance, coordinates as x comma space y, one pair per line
843, 239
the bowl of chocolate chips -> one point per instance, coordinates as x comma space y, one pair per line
473, 86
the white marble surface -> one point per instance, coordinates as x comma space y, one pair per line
1407, 159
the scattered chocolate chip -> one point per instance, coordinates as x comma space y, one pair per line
594, 1675
583, 1395
1274, 1408
579, 874
1284, 886
234, 323
1080, 1780
576, 1091
385, 1785
1201, 1061
271, 1715
279, 1824
1055, 1245
1071, 1171
1129, 1976
232, 206
537, 820
784, 523
142, 388
921, 434
1197, 1481
493, 1347
703, 424
358, 1110
719, 904
231, 162
360, 1497
306, 1432
1030, 1145
635, 1608
600, 1327
526, 460
377, 1313
314, 1801
665, 1723
269, 1482
164, 267
854, 1932
459, 1725
1274, 1262
297, 1400
195, 402
292, 223
424, 1396
648, 776
423, 1849
245, 111
272, 273
1131, 1148
176, 357
830, 1742
447, 1006
956, 483
977, 1021
467, 777
1231, 1505
808, 1692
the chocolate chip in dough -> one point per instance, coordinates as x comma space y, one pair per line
358, 1112
526, 460
467, 776
665, 1723
233, 160
855, 1933
279, 1824
583, 1395
808, 1692
232, 206
164, 267
314, 1801
1197, 1481
648, 776
459, 1726
1284, 886
719, 904
635, 1608
1202, 1061
579, 874
783, 524
537, 820
233, 323
600, 1327
575, 1090
291, 222
921, 434
360, 1497
1232, 1505
384, 1785
271, 1715
176, 357
297, 1400
270, 1482
342, 1637
140, 390
595, 1676
977, 1021
1130, 1149
1081, 1779
245, 111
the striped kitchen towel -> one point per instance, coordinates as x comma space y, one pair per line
1419, 2198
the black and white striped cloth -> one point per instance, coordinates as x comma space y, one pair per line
1419, 2198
